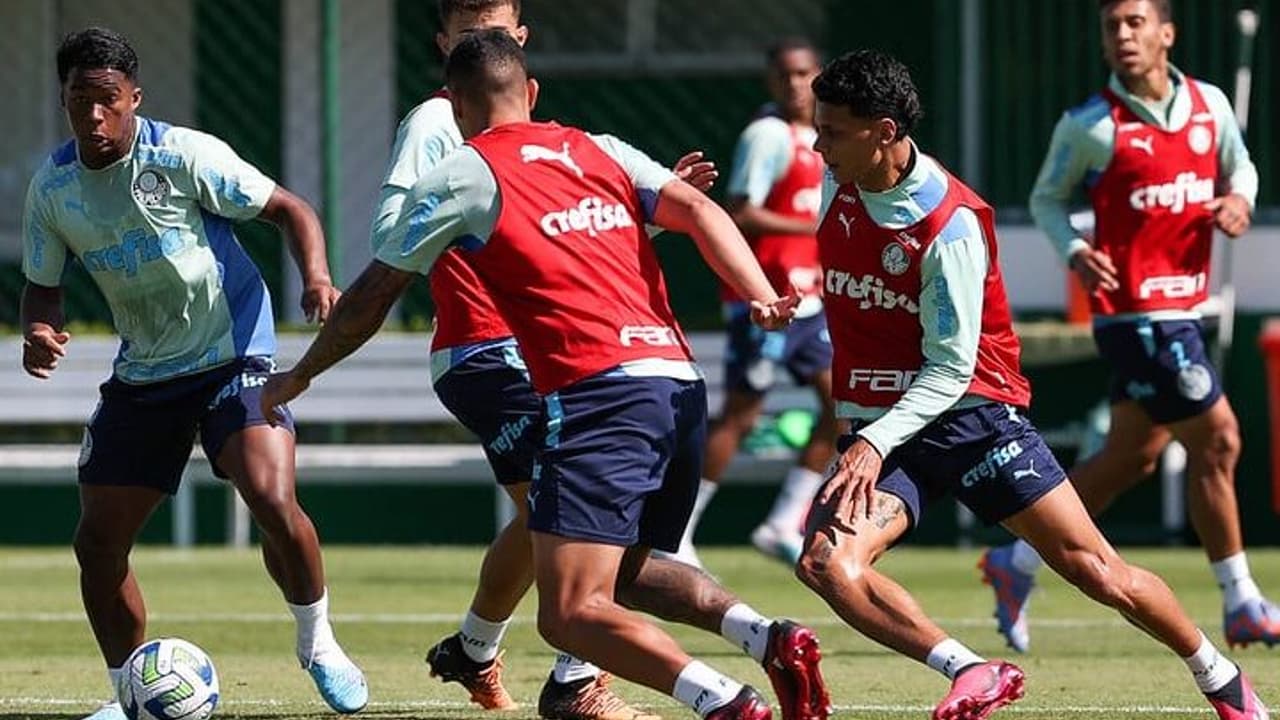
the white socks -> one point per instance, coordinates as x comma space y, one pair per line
747, 629
1025, 558
792, 504
704, 689
706, 491
950, 657
570, 669
1237, 584
1210, 669
481, 638
113, 677
316, 642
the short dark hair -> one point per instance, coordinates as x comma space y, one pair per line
871, 84
449, 8
96, 47
788, 44
484, 63
1164, 8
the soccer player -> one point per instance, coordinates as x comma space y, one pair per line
548, 218
479, 375
147, 208
1163, 163
775, 189
926, 371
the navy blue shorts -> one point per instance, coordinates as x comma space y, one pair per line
754, 355
143, 434
1162, 365
990, 456
621, 460
490, 394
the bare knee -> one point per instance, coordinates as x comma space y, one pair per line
1222, 448
557, 618
273, 504
826, 570
1105, 579
97, 547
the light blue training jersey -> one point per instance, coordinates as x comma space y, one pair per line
154, 230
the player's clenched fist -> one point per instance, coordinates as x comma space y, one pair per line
41, 350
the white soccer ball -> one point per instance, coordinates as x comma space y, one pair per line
168, 679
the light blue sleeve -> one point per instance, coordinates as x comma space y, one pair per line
457, 203
425, 136
760, 159
43, 252
225, 184
953, 277
1237, 173
1064, 169
647, 175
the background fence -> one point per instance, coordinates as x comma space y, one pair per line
270, 76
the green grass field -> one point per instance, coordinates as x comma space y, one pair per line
390, 604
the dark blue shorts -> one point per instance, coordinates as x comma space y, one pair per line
753, 355
490, 394
1162, 365
621, 461
143, 434
990, 456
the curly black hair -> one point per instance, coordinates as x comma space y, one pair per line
871, 84
96, 48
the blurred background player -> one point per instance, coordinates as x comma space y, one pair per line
775, 188
1163, 162
479, 375
456, 202
147, 208
930, 380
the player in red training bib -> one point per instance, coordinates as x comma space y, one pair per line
775, 188
1163, 164
926, 372
550, 219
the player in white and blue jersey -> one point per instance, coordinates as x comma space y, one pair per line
147, 209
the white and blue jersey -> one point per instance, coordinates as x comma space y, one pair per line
154, 231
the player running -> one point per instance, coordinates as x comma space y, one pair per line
147, 208
548, 218
926, 371
775, 188
1163, 163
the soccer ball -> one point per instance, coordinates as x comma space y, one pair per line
168, 679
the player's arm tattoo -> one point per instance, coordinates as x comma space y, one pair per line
356, 317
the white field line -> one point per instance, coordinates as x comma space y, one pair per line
27, 702
249, 618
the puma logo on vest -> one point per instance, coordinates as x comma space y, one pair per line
1143, 144
534, 153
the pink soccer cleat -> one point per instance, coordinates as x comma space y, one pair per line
791, 661
1238, 701
981, 690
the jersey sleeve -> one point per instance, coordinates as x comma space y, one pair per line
457, 203
647, 175
1237, 173
1064, 168
953, 276
43, 252
423, 139
226, 185
760, 159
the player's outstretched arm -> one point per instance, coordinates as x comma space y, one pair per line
683, 209
43, 339
302, 230
355, 318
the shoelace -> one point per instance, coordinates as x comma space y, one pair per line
489, 681
597, 699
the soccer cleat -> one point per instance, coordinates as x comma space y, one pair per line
449, 662
109, 711
779, 544
747, 705
341, 684
981, 690
1257, 620
791, 661
1238, 701
586, 699
1013, 593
